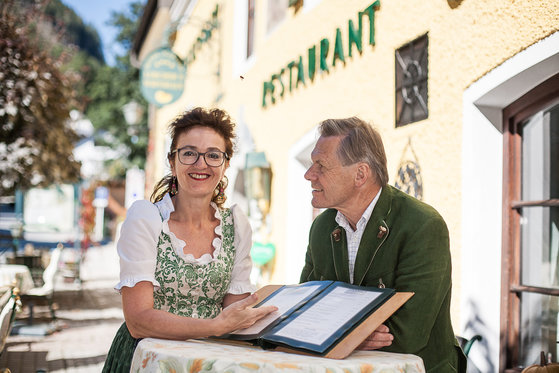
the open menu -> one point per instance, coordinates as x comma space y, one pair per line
326, 318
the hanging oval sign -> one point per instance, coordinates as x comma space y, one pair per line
162, 77
262, 253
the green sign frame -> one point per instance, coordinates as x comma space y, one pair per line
162, 77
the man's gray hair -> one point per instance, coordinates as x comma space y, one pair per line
361, 143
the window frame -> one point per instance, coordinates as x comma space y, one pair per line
514, 116
251, 9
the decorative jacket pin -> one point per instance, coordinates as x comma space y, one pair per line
381, 232
337, 234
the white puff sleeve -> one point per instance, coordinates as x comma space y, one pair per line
240, 277
137, 245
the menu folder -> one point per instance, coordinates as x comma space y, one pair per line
320, 318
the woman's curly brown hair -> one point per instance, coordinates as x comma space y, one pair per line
216, 119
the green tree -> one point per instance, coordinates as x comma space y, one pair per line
75, 31
36, 142
111, 89
60, 28
58, 38
128, 24
74, 38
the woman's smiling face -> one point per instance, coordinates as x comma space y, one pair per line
198, 179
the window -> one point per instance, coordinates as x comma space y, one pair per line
411, 81
530, 283
244, 35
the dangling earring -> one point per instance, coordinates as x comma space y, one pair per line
220, 198
174, 190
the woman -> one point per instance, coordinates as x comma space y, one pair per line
185, 259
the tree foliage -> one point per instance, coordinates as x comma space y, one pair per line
67, 29
128, 24
36, 141
83, 36
51, 62
111, 89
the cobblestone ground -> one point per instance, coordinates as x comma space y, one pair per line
88, 316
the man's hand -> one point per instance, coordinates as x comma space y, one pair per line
378, 339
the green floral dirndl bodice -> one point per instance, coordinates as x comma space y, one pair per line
193, 289
186, 288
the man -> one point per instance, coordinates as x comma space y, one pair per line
375, 235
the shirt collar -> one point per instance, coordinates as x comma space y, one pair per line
344, 223
166, 207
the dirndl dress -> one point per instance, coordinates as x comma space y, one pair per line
187, 289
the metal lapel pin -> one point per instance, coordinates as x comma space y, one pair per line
337, 234
381, 231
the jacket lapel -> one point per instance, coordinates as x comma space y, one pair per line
376, 233
339, 253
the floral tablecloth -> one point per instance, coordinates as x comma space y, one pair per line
163, 356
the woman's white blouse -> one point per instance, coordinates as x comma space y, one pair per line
139, 236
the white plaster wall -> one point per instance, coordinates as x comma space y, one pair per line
482, 173
299, 208
481, 238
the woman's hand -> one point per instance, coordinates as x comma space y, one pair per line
240, 315
381, 337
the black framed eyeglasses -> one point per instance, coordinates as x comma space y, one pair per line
188, 156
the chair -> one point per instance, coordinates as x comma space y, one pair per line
466, 344
8, 301
44, 293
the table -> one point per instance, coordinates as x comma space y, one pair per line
19, 273
35, 264
159, 355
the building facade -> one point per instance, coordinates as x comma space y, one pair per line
465, 95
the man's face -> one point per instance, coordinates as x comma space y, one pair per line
332, 183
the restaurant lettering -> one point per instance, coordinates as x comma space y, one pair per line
294, 73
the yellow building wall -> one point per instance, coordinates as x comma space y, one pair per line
467, 39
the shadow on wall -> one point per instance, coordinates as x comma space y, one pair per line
476, 325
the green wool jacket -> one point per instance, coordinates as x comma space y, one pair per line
405, 246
